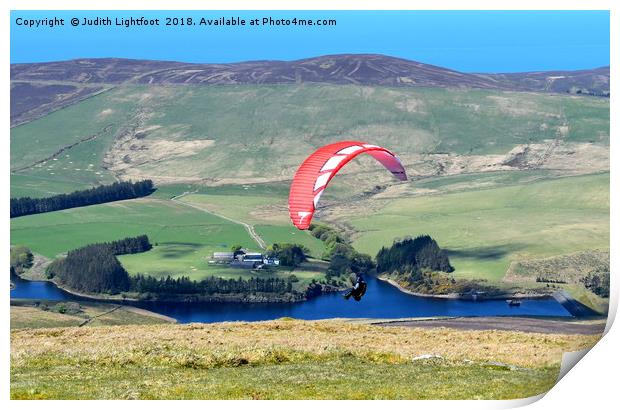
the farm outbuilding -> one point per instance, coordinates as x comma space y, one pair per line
223, 257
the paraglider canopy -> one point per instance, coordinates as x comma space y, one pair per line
319, 168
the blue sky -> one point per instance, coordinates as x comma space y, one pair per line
470, 41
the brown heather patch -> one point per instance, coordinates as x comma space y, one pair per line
236, 344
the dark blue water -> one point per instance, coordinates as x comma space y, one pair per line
381, 301
37, 290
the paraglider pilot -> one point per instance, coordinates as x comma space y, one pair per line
358, 290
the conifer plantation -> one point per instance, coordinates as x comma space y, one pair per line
99, 195
95, 268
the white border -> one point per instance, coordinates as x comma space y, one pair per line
593, 382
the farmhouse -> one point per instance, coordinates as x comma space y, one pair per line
243, 259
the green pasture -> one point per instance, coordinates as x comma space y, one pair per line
183, 236
484, 230
268, 213
42, 186
480, 180
276, 190
178, 260
243, 208
288, 233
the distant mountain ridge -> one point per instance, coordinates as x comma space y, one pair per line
360, 69
40, 88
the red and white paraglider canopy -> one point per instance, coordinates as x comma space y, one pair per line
319, 168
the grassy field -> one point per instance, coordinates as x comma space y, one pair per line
42, 186
486, 229
28, 314
184, 237
24, 317
165, 222
482, 180
248, 208
267, 211
284, 359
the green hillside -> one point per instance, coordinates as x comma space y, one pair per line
88, 128
485, 229
261, 133
165, 222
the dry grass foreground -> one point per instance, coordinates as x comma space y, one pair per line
284, 359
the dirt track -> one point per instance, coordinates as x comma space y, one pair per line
523, 324
250, 228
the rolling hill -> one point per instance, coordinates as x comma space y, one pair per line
38, 88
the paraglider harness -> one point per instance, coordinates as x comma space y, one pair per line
358, 290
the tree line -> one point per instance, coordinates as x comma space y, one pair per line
97, 195
209, 286
128, 246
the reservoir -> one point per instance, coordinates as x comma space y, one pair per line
382, 300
